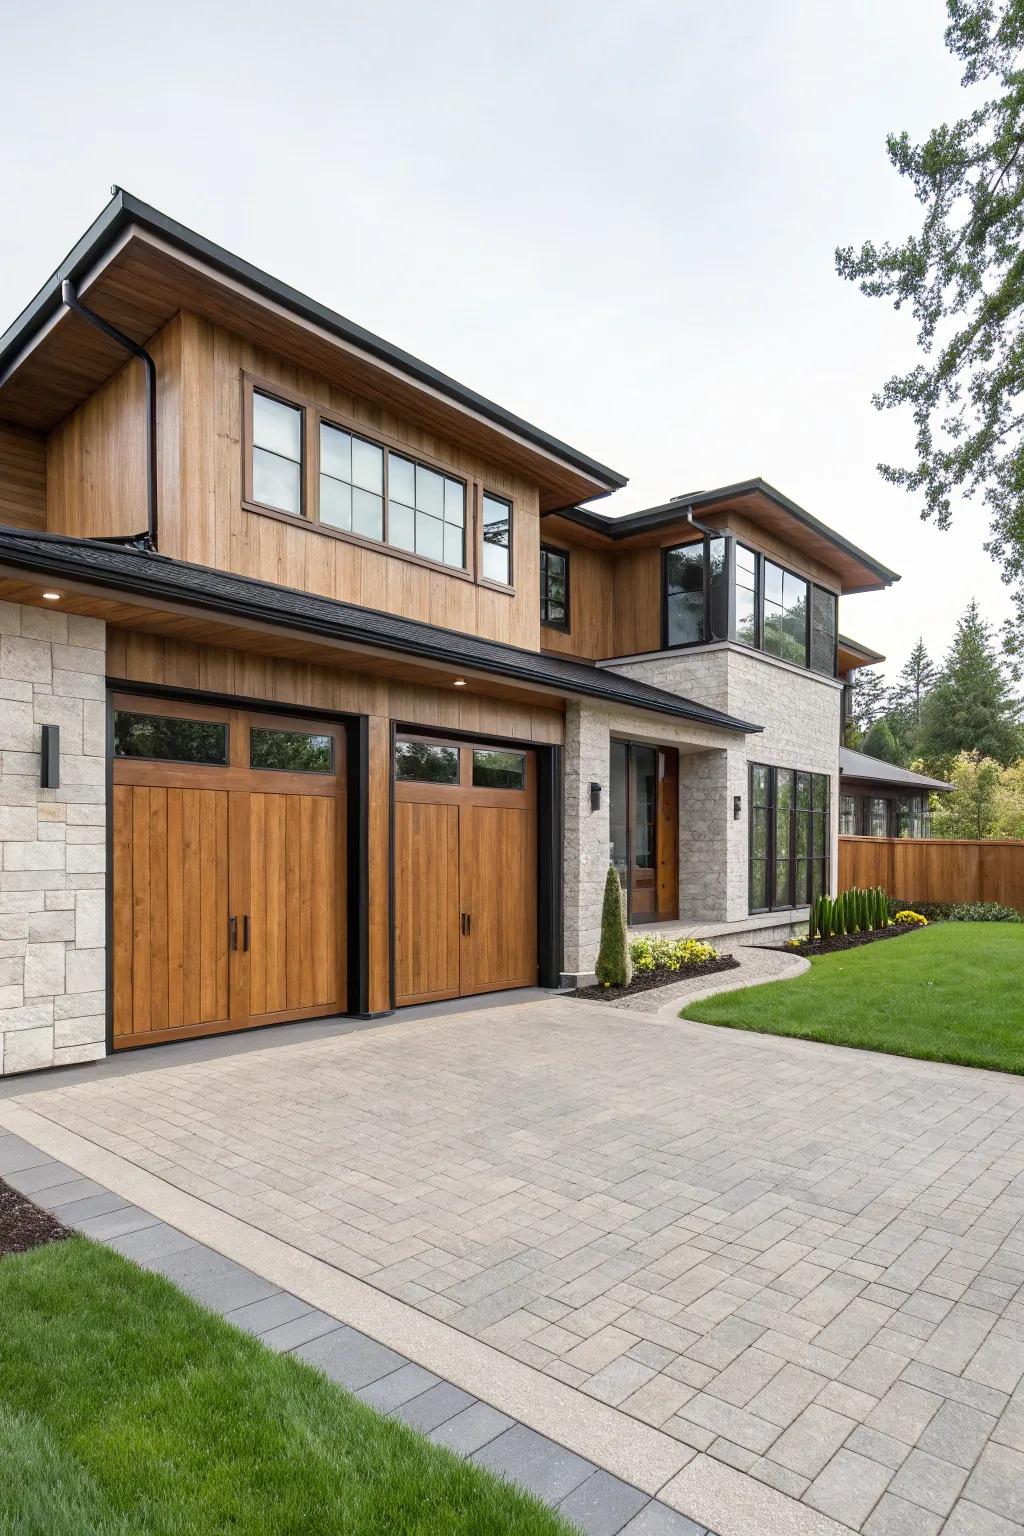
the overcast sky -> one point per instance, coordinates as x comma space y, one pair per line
616, 220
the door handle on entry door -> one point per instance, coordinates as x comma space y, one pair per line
467, 923
233, 932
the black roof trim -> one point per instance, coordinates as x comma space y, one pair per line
135, 573
655, 517
124, 210
861, 650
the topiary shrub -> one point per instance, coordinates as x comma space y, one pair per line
614, 968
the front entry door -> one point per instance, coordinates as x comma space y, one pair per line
465, 869
644, 828
228, 870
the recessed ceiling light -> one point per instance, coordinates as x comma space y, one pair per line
460, 682
52, 597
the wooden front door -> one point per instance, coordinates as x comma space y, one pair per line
644, 828
465, 869
228, 870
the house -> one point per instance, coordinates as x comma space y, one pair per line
321, 692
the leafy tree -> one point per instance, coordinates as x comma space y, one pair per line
881, 743
1009, 816
970, 808
970, 708
962, 276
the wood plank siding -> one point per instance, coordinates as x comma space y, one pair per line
97, 486
22, 478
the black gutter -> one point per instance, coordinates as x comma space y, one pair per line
651, 518
124, 210
127, 571
148, 539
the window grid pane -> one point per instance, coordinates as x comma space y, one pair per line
788, 849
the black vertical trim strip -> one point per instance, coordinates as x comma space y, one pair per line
392, 734
357, 795
108, 902
550, 854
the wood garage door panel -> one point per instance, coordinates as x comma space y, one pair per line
170, 908
293, 904
498, 864
426, 901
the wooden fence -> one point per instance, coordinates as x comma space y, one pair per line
935, 869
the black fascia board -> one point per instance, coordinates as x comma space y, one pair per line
124, 210
650, 518
131, 572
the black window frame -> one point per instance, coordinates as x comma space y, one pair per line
712, 612
563, 625
814, 812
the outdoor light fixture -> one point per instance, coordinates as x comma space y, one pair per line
52, 597
49, 765
460, 682
737, 806
595, 796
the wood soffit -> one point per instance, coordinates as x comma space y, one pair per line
144, 281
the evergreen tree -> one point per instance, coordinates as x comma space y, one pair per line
870, 698
881, 743
613, 968
970, 708
912, 685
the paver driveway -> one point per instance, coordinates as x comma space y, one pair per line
806, 1261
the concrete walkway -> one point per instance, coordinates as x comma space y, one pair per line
779, 1285
755, 967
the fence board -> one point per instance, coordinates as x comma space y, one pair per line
935, 869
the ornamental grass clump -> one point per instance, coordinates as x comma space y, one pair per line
613, 968
854, 911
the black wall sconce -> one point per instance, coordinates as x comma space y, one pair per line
49, 765
595, 796
737, 807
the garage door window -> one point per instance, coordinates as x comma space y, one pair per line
290, 751
426, 763
499, 770
169, 739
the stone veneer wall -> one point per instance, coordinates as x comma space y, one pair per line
52, 841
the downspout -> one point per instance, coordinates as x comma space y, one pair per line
709, 533
146, 541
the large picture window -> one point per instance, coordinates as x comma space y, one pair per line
789, 837
785, 614
694, 600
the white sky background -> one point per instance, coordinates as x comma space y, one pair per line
616, 220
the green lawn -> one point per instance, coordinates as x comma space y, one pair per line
952, 992
126, 1410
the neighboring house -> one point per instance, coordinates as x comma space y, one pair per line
354, 702
878, 799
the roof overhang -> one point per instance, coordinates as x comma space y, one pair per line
138, 268
752, 499
859, 768
91, 566
852, 654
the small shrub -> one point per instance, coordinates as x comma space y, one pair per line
613, 967
795, 943
960, 911
650, 955
911, 917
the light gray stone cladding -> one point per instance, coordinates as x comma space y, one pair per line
52, 841
799, 713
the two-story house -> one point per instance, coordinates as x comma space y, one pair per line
320, 693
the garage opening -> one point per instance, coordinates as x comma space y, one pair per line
228, 869
465, 868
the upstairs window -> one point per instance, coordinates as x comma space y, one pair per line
276, 454
351, 483
554, 588
785, 614
747, 594
497, 540
426, 512
694, 604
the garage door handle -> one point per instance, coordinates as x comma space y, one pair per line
233, 932
245, 932
466, 924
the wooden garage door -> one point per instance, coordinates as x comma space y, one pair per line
465, 869
228, 870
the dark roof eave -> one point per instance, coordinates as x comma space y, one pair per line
124, 210
651, 518
131, 572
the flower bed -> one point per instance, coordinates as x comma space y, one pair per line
827, 946
961, 911
23, 1225
658, 962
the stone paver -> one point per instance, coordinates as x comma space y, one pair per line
807, 1263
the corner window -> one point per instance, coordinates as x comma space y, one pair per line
554, 588
497, 540
276, 454
747, 589
789, 837
785, 614
684, 594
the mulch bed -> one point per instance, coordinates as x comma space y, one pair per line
646, 981
23, 1225
849, 940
